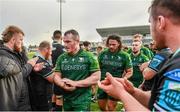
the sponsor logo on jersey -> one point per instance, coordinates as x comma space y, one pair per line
169, 98
174, 74
105, 57
74, 67
73, 59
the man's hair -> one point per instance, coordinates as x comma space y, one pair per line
167, 8
44, 44
73, 32
114, 37
55, 33
9, 32
99, 47
86, 43
138, 41
137, 36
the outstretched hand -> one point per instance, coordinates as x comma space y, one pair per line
38, 67
111, 86
127, 84
33, 61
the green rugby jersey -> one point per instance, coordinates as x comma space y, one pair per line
137, 77
77, 67
146, 52
114, 63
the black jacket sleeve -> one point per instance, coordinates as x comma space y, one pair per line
26, 70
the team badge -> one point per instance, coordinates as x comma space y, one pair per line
119, 58
65, 61
81, 59
157, 60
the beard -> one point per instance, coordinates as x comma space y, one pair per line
47, 56
17, 48
158, 37
135, 52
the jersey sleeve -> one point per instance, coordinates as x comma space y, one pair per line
128, 61
46, 71
146, 59
146, 52
157, 62
94, 65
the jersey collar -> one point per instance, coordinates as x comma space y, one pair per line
177, 51
38, 54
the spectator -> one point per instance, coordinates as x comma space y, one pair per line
87, 45
13, 71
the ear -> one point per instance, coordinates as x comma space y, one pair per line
12, 40
161, 23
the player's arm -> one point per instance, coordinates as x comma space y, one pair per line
132, 103
128, 72
148, 73
50, 78
58, 79
142, 96
92, 79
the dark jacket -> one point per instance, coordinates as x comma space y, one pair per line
24, 101
57, 50
12, 70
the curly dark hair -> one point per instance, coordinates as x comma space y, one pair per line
114, 37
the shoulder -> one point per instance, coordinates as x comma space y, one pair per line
144, 48
8, 66
58, 47
86, 54
123, 53
144, 56
62, 56
165, 53
8, 53
104, 52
